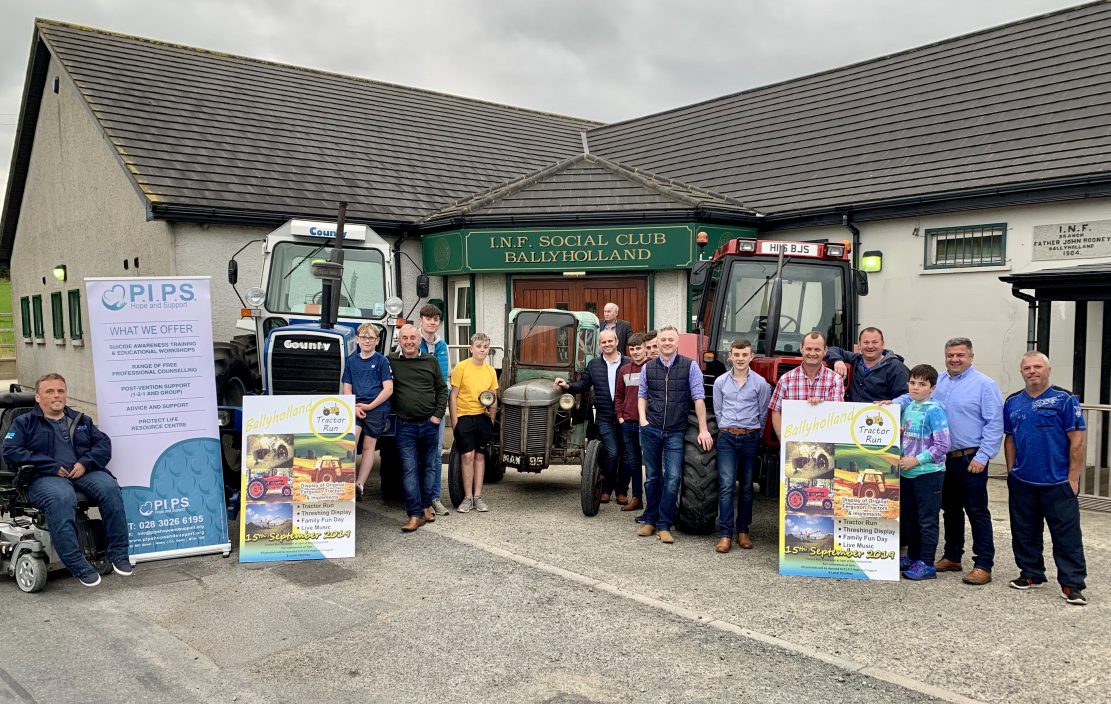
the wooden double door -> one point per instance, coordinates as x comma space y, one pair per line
590, 293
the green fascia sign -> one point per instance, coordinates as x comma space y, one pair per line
639, 247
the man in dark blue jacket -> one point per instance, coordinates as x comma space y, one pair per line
878, 374
601, 374
69, 454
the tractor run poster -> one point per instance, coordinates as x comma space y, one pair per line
298, 478
839, 489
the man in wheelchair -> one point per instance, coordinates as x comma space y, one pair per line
68, 454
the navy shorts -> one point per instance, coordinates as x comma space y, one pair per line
473, 433
374, 424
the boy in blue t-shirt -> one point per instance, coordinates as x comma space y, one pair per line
369, 376
925, 440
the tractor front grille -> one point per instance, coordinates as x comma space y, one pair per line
301, 362
514, 421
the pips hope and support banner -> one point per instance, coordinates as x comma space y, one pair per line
156, 399
298, 478
839, 490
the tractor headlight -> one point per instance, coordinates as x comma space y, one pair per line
224, 417
566, 402
254, 297
487, 398
393, 306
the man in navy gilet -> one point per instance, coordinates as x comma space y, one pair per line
668, 385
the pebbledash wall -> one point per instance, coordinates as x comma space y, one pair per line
81, 210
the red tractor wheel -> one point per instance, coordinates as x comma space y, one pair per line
827, 504
256, 489
796, 499
286, 491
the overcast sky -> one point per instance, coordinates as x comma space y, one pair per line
607, 60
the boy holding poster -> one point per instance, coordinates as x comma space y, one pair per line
369, 377
925, 440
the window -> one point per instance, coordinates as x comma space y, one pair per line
76, 331
461, 316
975, 245
25, 317
36, 316
57, 323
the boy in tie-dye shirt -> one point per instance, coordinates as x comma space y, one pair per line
925, 441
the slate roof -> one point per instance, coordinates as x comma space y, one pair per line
586, 183
1017, 104
206, 129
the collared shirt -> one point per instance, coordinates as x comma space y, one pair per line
611, 373
1040, 429
974, 405
741, 406
698, 393
796, 386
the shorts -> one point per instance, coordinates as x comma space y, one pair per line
473, 433
374, 423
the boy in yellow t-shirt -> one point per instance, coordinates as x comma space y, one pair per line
472, 422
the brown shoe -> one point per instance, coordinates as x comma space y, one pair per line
646, 530
947, 565
743, 541
429, 515
622, 499
412, 524
666, 537
724, 544
633, 505
977, 576
605, 498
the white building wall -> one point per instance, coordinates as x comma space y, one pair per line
79, 209
918, 310
669, 300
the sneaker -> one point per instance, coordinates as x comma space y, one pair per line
466, 505
1072, 596
439, 508
1024, 583
480, 505
89, 580
919, 571
122, 567
905, 563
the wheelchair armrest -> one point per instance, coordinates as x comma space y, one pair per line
24, 473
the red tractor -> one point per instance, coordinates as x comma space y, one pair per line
259, 487
799, 496
773, 293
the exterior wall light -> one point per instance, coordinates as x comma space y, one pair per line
871, 261
60, 273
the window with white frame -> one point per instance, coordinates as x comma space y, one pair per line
461, 317
966, 246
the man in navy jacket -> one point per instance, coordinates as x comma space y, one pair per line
601, 374
69, 454
878, 374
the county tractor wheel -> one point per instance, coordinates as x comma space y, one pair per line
590, 483
256, 489
30, 573
455, 478
246, 347
698, 494
233, 378
796, 500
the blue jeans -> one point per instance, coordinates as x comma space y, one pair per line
964, 492
1033, 506
663, 472
611, 438
735, 451
630, 460
418, 443
56, 498
919, 505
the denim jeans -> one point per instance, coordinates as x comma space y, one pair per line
1031, 507
663, 472
418, 443
964, 492
611, 438
630, 460
919, 505
56, 497
735, 451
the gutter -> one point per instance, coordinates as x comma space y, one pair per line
1031, 317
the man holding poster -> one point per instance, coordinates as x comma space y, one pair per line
813, 381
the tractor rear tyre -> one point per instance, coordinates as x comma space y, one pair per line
246, 347
591, 479
698, 494
455, 478
233, 378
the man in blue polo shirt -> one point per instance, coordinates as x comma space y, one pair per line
1044, 449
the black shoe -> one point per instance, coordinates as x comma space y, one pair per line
1074, 596
89, 580
358, 493
122, 567
1024, 583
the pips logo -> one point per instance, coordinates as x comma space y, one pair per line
146, 508
114, 298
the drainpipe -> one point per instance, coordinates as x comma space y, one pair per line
847, 221
397, 265
1031, 317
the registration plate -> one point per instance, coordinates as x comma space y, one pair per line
518, 459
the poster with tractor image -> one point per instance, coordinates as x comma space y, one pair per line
298, 478
839, 477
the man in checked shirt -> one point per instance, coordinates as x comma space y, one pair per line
813, 381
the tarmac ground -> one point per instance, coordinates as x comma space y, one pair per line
533, 602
